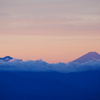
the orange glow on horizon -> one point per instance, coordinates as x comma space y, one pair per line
48, 48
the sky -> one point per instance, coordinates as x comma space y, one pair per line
51, 30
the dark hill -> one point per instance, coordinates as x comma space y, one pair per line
6, 58
50, 85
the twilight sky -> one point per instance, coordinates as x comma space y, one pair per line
51, 30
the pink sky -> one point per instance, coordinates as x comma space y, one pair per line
54, 31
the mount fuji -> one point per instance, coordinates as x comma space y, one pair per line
91, 56
50, 85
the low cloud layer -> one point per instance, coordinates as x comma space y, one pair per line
39, 65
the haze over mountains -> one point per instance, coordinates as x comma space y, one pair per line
39, 80
89, 61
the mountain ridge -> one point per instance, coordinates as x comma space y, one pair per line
6, 58
91, 56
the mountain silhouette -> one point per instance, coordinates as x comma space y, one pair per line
27, 85
50, 85
91, 56
6, 58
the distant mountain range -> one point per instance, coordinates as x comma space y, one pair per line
50, 85
91, 56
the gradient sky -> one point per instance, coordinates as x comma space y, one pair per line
51, 30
